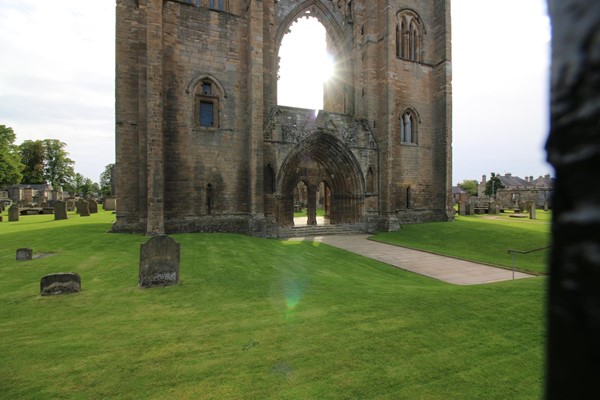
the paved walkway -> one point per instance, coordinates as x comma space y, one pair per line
446, 269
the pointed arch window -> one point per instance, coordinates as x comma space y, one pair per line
409, 36
408, 127
207, 103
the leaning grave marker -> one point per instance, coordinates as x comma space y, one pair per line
93, 206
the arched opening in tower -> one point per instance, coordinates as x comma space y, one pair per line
305, 65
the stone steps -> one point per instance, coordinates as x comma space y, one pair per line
320, 230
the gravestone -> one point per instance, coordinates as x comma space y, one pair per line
462, 208
532, 210
59, 283
13, 214
24, 254
493, 208
92, 206
60, 210
109, 204
159, 262
71, 205
83, 208
470, 207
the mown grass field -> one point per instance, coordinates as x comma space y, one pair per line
255, 319
482, 238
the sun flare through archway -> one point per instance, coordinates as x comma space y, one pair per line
304, 65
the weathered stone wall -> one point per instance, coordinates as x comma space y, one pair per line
204, 43
175, 175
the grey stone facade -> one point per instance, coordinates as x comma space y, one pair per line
201, 144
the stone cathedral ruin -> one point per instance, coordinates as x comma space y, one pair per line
203, 146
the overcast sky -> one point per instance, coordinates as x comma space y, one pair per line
57, 81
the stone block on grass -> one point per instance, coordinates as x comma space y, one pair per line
60, 283
24, 254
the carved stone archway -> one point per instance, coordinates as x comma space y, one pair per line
321, 158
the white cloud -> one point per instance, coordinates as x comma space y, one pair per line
57, 80
500, 87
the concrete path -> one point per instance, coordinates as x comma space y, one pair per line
446, 269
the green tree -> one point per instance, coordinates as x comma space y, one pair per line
106, 180
58, 167
32, 156
492, 186
82, 186
469, 186
76, 184
10, 159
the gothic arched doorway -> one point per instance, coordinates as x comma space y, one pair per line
321, 161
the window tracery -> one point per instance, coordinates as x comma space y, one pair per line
409, 36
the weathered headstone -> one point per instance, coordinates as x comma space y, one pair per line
71, 205
83, 208
13, 214
24, 254
109, 203
92, 206
59, 283
470, 207
532, 210
493, 208
60, 210
159, 262
462, 208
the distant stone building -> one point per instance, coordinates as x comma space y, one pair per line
34, 194
517, 191
202, 144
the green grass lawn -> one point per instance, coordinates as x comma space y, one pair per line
254, 319
304, 213
482, 238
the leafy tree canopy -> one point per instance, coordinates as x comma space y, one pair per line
469, 186
493, 184
106, 180
10, 160
47, 161
32, 156
58, 167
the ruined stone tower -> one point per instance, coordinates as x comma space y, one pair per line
202, 145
